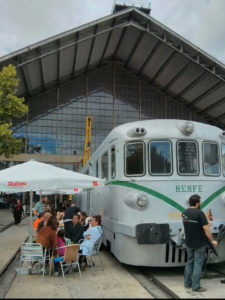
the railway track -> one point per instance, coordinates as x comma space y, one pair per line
155, 288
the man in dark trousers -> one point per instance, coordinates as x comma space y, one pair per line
197, 231
75, 230
70, 212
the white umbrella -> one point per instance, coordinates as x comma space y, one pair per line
36, 176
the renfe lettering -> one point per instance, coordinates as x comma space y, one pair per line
189, 188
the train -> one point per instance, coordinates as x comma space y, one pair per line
151, 168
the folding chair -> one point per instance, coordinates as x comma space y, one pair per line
71, 259
32, 252
95, 251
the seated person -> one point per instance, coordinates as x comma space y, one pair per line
84, 220
75, 230
90, 237
46, 216
61, 243
47, 235
38, 220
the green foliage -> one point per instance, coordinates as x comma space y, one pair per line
11, 107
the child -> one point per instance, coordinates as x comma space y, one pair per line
61, 243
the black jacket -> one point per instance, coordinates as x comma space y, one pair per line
75, 233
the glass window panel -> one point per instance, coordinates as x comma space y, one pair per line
105, 166
223, 158
134, 159
160, 158
187, 158
113, 163
211, 159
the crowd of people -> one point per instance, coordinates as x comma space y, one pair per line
54, 228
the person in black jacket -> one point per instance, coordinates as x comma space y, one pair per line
69, 213
17, 212
75, 230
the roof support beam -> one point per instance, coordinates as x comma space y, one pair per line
75, 55
24, 78
207, 93
58, 64
107, 42
41, 69
179, 74
91, 49
163, 67
214, 105
221, 117
121, 38
141, 35
149, 57
192, 85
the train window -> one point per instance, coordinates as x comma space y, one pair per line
187, 156
211, 159
134, 159
113, 162
105, 166
96, 170
160, 160
223, 158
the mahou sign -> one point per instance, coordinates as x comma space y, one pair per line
16, 183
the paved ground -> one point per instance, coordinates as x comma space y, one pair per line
6, 217
112, 282
10, 241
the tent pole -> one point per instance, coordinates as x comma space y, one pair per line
31, 219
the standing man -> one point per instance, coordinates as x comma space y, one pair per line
40, 206
197, 231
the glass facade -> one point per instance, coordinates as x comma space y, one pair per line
111, 95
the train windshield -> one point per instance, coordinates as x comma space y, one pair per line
160, 160
134, 159
211, 159
187, 152
223, 158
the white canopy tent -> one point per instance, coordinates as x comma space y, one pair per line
33, 176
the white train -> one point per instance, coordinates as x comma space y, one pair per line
152, 167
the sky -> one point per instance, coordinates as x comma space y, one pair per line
24, 22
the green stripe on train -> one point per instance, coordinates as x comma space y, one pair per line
149, 191
163, 197
212, 197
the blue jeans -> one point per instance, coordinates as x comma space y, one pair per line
193, 267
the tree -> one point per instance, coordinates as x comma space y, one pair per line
11, 107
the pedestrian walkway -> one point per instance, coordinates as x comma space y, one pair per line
6, 217
10, 242
112, 282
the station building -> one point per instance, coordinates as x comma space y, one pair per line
121, 68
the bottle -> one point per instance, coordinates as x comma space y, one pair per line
210, 215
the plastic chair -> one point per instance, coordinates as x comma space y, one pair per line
32, 252
95, 251
71, 259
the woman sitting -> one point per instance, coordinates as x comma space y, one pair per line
47, 235
90, 237
61, 243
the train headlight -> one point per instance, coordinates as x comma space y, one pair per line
187, 128
136, 200
142, 200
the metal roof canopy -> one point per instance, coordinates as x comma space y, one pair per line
143, 45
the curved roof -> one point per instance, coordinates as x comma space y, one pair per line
143, 45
